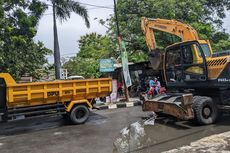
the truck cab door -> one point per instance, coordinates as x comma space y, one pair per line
185, 62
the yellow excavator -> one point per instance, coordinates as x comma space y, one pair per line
198, 84
183, 31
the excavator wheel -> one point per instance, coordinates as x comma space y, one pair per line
204, 109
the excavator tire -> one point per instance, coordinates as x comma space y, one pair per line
205, 110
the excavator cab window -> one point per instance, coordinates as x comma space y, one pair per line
187, 54
206, 50
181, 64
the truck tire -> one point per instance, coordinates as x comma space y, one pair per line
205, 110
79, 114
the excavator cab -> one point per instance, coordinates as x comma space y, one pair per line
185, 63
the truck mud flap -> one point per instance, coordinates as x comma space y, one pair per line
178, 105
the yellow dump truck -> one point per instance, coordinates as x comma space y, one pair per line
72, 98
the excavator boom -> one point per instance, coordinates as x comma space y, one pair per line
184, 31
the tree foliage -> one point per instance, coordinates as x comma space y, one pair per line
204, 15
19, 54
64, 8
87, 67
93, 47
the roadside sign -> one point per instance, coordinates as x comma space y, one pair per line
106, 65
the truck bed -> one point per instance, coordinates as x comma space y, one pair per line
42, 93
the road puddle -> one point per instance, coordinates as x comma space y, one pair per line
134, 136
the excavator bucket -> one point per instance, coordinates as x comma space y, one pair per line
178, 105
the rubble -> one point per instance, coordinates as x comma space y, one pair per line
133, 136
218, 143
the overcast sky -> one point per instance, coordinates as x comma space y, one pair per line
69, 32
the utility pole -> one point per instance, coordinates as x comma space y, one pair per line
119, 43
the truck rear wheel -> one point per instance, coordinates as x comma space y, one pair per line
79, 114
205, 110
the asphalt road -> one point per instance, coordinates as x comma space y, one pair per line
55, 135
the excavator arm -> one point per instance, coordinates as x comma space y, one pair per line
184, 31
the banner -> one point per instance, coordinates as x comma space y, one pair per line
125, 67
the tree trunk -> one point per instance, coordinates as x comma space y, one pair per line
57, 62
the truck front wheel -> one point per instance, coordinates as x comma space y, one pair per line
205, 110
79, 114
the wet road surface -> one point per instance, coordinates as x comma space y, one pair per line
54, 135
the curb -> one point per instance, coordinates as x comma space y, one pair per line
120, 105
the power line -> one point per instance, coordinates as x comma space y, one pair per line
92, 8
99, 6
95, 8
51, 56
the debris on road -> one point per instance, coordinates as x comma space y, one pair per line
212, 144
134, 136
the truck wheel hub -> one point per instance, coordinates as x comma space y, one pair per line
207, 111
80, 114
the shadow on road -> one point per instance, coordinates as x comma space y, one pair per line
41, 123
173, 122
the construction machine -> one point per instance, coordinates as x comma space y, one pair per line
198, 83
73, 99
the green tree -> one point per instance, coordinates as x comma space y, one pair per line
19, 54
204, 15
96, 46
62, 10
221, 41
87, 67
93, 47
